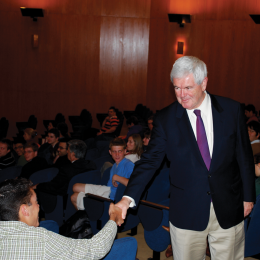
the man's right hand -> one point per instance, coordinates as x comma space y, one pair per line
115, 214
123, 204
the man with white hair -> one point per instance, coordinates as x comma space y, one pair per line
212, 170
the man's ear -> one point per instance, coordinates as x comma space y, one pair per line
23, 210
110, 152
36, 153
258, 136
8, 151
204, 83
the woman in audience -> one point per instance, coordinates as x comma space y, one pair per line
134, 148
30, 136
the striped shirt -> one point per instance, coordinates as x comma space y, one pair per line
113, 121
23, 242
7, 161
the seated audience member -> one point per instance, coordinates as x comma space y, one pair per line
21, 238
59, 184
110, 123
62, 158
63, 129
150, 123
254, 134
30, 136
257, 173
6, 157
134, 148
52, 124
146, 139
19, 149
120, 173
49, 149
250, 113
133, 127
34, 163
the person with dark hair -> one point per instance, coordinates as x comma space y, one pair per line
6, 157
49, 149
150, 123
146, 139
62, 158
59, 184
63, 129
250, 113
22, 238
134, 148
110, 123
254, 134
120, 173
133, 127
18, 146
34, 163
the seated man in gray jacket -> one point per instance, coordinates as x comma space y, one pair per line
21, 238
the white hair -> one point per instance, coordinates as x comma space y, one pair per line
187, 65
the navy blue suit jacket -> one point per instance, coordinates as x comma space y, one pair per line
229, 181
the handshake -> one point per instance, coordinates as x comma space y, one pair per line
115, 214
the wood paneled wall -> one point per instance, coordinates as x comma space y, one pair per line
97, 53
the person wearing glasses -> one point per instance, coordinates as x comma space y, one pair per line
62, 158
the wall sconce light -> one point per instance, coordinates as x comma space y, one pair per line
255, 18
180, 47
32, 12
181, 19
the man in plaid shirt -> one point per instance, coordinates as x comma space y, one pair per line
21, 238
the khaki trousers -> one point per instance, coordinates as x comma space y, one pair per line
225, 244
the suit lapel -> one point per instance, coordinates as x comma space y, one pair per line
217, 130
187, 132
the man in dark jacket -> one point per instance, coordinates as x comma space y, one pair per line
59, 184
35, 163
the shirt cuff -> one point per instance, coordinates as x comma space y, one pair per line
132, 204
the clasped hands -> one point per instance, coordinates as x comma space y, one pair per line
115, 214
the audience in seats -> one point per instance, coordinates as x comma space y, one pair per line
150, 123
21, 238
18, 146
30, 136
133, 127
146, 139
59, 184
49, 149
34, 163
6, 157
63, 129
110, 123
62, 158
250, 113
254, 134
120, 173
134, 148
257, 173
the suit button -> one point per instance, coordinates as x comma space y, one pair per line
208, 192
209, 176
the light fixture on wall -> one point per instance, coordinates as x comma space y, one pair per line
180, 47
181, 19
32, 12
255, 18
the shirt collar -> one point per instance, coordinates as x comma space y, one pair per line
203, 106
255, 141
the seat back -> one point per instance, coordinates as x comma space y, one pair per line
4, 125
92, 154
101, 160
44, 175
10, 173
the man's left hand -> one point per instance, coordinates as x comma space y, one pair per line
114, 180
248, 206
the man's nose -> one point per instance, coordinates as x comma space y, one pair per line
183, 92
